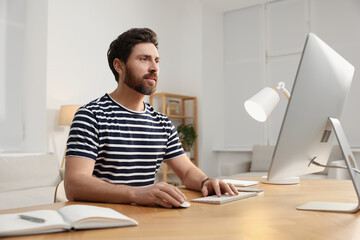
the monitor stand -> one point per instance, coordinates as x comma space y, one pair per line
281, 181
351, 164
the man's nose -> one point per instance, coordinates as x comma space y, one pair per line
154, 67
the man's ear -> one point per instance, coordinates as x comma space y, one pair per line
119, 65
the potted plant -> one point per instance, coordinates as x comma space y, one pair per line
187, 136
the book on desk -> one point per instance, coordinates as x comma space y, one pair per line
67, 218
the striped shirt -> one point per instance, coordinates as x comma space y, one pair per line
128, 146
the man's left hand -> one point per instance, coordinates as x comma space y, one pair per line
218, 187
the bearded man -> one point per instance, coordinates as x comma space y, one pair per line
117, 142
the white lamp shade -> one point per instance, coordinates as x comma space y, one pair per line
262, 104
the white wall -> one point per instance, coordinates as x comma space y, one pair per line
211, 95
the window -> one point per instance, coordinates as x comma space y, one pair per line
12, 35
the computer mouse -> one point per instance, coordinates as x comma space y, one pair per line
185, 204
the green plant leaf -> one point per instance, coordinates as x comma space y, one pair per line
187, 136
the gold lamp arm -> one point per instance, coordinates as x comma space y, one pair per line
281, 87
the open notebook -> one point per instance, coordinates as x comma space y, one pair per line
67, 218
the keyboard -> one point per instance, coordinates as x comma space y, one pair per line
241, 183
224, 198
249, 189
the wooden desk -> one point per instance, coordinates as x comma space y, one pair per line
270, 215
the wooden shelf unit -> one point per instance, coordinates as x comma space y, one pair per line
162, 98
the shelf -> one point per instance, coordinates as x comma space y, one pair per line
171, 95
186, 103
168, 170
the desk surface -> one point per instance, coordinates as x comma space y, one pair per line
270, 215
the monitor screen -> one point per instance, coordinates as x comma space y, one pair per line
320, 89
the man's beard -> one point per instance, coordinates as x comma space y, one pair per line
138, 84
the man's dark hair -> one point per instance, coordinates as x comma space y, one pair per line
122, 47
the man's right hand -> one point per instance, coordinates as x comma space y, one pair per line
80, 185
162, 194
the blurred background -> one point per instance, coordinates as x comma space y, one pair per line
53, 53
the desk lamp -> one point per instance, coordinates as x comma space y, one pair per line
263, 103
260, 107
66, 116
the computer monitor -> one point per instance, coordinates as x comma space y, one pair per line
320, 89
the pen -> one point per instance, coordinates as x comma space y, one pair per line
32, 219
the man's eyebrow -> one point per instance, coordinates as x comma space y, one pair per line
148, 56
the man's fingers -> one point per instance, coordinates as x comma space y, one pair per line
179, 193
204, 192
169, 199
170, 194
230, 189
216, 187
162, 203
233, 188
175, 193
